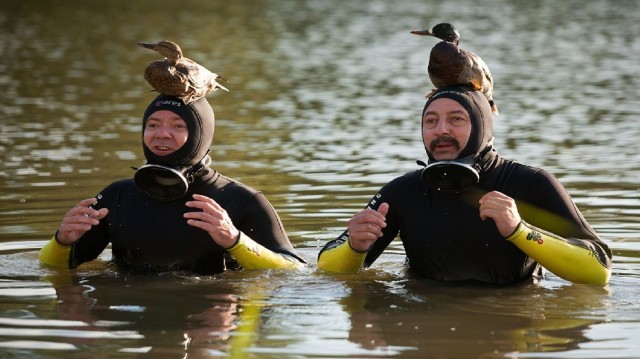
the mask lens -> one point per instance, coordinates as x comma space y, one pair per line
450, 175
161, 182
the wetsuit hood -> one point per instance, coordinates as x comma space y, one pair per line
479, 109
200, 120
170, 177
478, 154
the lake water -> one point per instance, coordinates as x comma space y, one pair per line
323, 110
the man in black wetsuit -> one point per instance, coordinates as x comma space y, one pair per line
177, 213
471, 214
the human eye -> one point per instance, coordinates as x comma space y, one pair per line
430, 122
458, 120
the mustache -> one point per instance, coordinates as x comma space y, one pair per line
443, 139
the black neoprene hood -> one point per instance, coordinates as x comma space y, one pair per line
200, 120
480, 115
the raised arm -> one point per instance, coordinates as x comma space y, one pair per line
75, 223
549, 228
270, 249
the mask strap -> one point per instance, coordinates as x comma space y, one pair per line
481, 156
192, 172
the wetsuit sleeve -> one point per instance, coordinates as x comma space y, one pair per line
251, 255
261, 226
86, 248
55, 254
577, 261
340, 258
555, 234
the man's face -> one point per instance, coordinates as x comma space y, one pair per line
165, 132
446, 128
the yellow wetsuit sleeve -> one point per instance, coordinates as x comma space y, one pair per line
55, 254
251, 255
574, 260
341, 259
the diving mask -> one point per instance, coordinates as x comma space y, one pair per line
450, 175
167, 183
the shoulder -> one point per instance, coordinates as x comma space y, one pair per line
404, 185
412, 178
530, 172
228, 184
230, 192
119, 186
116, 192
533, 181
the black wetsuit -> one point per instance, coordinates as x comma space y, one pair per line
152, 235
445, 238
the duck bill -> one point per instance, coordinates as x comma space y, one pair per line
145, 45
427, 32
218, 86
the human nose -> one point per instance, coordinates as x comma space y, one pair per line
163, 131
442, 127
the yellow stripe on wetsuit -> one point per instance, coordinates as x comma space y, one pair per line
248, 253
341, 259
251, 255
570, 260
55, 254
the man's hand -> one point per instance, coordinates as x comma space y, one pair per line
366, 227
213, 219
502, 209
79, 221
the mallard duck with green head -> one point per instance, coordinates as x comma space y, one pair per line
450, 64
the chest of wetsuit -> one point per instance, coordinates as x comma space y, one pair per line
445, 238
152, 235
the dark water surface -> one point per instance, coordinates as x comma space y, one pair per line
323, 110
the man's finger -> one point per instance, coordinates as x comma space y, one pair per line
383, 209
208, 200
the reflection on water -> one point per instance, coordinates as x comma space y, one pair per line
276, 313
322, 111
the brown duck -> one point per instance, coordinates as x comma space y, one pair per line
453, 65
179, 76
